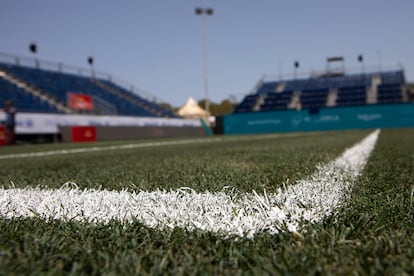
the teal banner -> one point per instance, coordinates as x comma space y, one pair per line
370, 116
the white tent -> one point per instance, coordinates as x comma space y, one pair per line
192, 110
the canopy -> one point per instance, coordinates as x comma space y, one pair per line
192, 110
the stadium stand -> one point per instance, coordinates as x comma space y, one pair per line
248, 104
38, 90
351, 96
324, 91
25, 101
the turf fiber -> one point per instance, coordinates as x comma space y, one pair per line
372, 235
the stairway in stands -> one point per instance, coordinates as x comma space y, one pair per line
129, 97
28, 88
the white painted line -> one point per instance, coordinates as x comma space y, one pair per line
225, 213
106, 148
140, 145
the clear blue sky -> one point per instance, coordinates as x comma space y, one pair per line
157, 45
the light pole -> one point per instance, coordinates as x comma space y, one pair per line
33, 49
295, 72
90, 62
204, 13
361, 60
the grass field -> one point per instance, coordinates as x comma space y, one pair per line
370, 234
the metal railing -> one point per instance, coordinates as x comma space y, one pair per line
78, 71
318, 73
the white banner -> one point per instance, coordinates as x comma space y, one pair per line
34, 123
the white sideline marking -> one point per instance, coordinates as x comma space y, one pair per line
310, 200
141, 145
105, 148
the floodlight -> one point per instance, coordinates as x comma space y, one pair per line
33, 48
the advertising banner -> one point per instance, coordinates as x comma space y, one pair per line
35, 123
80, 101
83, 134
339, 118
2, 135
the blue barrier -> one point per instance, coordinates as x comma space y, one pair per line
206, 128
339, 118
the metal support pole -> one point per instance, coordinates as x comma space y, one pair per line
206, 103
204, 13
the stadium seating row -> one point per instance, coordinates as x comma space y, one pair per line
389, 93
26, 101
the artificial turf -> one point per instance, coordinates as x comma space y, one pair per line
372, 234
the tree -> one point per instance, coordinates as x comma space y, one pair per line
168, 107
225, 107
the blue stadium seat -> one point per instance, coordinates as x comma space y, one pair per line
351, 96
314, 92
314, 98
22, 100
276, 101
247, 104
57, 86
389, 94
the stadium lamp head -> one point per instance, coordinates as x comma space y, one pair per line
200, 11
33, 48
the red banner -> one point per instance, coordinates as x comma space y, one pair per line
83, 134
2, 136
80, 101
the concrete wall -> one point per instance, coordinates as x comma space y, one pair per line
105, 133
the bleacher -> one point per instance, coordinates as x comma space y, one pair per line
248, 103
314, 98
276, 101
326, 91
108, 98
351, 96
23, 100
389, 93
